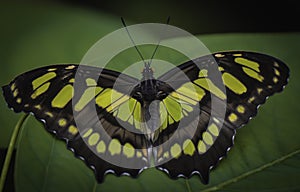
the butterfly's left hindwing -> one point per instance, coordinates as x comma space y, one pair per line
247, 80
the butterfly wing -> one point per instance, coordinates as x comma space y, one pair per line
193, 135
247, 80
84, 105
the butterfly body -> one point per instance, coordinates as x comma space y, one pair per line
174, 122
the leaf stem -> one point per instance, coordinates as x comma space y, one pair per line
10, 150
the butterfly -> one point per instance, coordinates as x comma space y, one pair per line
182, 122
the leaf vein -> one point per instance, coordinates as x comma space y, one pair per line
48, 166
251, 172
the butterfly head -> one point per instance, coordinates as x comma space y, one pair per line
147, 72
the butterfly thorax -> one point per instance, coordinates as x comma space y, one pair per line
149, 92
149, 89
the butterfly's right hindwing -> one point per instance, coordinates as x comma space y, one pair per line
213, 96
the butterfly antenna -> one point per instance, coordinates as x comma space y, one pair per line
168, 21
135, 46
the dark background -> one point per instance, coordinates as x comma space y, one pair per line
209, 16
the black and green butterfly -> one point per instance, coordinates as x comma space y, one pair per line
168, 122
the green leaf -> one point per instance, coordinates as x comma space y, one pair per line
265, 156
